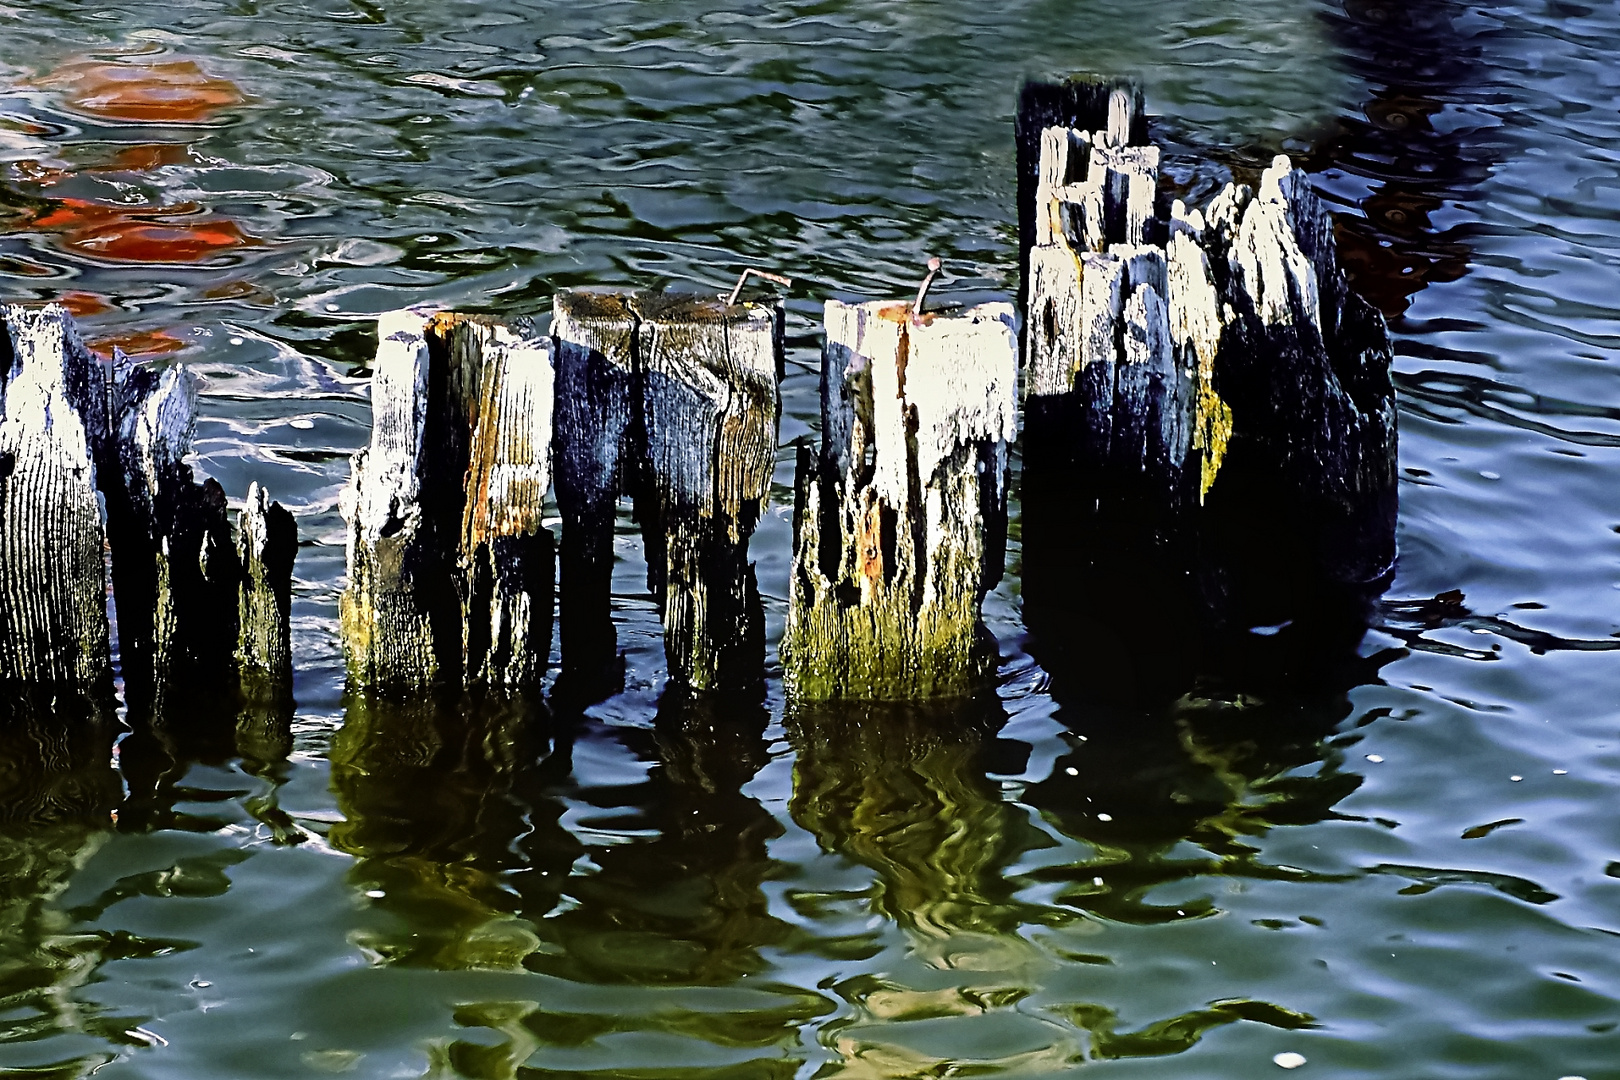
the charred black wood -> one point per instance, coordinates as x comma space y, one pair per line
1209, 418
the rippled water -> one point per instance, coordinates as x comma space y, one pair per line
1403, 865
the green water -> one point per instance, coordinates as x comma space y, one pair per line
1408, 868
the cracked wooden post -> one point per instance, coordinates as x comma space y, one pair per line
183, 588
93, 457
671, 399
1208, 410
593, 338
450, 567
54, 633
267, 541
709, 374
899, 523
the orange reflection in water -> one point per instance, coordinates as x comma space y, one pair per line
139, 343
181, 233
170, 92
83, 304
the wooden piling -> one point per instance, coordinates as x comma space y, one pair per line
899, 524
267, 541
710, 417
593, 335
673, 400
93, 463
450, 567
1208, 410
53, 586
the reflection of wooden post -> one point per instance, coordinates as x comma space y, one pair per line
450, 570
1208, 414
900, 524
672, 399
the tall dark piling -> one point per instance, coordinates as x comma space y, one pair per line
899, 522
1209, 419
672, 399
450, 568
92, 463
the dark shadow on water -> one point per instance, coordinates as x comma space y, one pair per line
680, 899
491, 834
1410, 152
246, 725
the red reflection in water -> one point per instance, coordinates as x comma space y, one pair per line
139, 343
171, 92
82, 304
150, 234
145, 157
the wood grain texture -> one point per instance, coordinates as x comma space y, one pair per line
53, 425
709, 377
593, 341
900, 520
450, 567
672, 400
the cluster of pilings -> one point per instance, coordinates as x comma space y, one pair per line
1208, 424
95, 491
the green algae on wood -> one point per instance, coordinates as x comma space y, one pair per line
899, 523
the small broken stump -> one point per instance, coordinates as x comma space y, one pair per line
899, 523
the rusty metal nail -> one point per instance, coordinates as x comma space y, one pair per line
785, 282
922, 290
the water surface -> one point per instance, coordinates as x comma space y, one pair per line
1403, 863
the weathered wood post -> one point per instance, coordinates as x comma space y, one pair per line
53, 585
450, 568
709, 404
1209, 420
593, 336
673, 400
93, 457
899, 523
